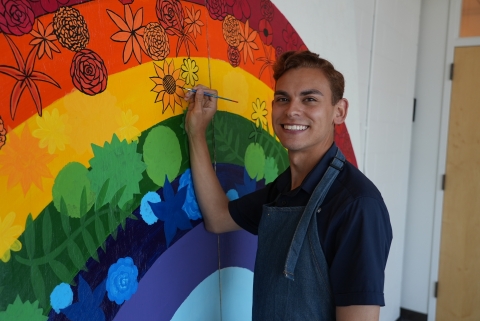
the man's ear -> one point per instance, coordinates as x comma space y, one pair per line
341, 111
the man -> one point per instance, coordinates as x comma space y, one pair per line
323, 229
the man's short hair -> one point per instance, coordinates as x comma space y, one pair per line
307, 59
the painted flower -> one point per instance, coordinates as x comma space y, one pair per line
191, 205
234, 56
43, 39
88, 72
192, 22
247, 42
259, 113
61, 297
241, 8
131, 32
52, 131
127, 130
125, 2
278, 51
70, 28
88, 305
267, 10
170, 16
189, 71
231, 31
51, 5
122, 280
168, 85
266, 32
24, 162
9, 234
3, 133
232, 194
16, 17
217, 9
156, 41
292, 39
145, 209
19, 310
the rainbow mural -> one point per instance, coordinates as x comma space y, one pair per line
98, 217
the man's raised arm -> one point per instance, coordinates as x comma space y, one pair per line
210, 196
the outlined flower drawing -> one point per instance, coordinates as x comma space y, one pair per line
157, 45
3, 133
9, 234
231, 31
131, 32
193, 24
16, 17
168, 85
122, 280
71, 29
259, 113
43, 39
247, 42
189, 71
88, 72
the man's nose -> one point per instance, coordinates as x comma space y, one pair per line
293, 108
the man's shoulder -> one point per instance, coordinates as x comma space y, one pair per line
356, 184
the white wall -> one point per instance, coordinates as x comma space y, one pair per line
374, 43
417, 286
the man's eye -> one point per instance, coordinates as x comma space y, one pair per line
281, 99
310, 99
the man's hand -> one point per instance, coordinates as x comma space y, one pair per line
200, 112
358, 313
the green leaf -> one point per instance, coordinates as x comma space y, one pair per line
30, 236
230, 157
102, 194
65, 219
99, 230
117, 196
112, 224
38, 285
229, 137
61, 271
83, 202
223, 148
237, 144
252, 134
47, 231
90, 243
75, 255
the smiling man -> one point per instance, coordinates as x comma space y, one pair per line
323, 229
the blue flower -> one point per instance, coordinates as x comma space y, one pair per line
171, 212
232, 195
249, 185
145, 209
61, 297
88, 305
122, 280
190, 206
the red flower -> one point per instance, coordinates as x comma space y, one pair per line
217, 9
292, 39
278, 51
233, 56
265, 31
51, 5
125, 2
267, 10
88, 72
16, 17
3, 133
170, 16
241, 8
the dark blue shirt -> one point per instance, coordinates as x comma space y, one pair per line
354, 227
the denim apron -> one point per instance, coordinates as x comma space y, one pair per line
288, 237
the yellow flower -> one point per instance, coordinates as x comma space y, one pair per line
168, 85
52, 131
189, 71
8, 237
127, 131
259, 113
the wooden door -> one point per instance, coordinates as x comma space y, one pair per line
459, 271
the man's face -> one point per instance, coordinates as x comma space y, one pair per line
303, 116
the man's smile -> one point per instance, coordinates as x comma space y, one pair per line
295, 127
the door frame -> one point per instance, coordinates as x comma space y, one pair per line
453, 41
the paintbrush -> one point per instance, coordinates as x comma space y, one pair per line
209, 95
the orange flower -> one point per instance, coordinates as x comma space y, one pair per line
192, 22
167, 85
24, 162
247, 43
131, 32
231, 30
43, 38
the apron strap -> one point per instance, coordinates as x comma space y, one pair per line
313, 207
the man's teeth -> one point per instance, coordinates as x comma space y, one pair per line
295, 127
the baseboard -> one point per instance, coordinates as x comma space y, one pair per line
409, 315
